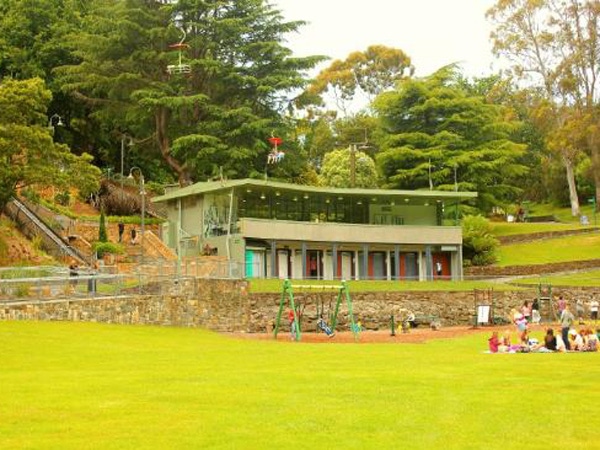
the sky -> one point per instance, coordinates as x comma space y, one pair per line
433, 33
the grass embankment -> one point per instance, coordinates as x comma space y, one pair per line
74, 385
570, 248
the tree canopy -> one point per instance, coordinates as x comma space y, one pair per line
28, 154
437, 134
204, 84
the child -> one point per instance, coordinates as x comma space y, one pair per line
494, 342
323, 326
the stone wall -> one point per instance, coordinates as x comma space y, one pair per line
226, 306
529, 270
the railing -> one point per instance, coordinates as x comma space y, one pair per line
54, 243
24, 285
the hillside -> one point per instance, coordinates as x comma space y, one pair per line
17, 250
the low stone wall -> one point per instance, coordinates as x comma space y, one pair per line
226, 306
531, 270
517, 238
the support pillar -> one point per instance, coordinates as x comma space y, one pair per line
274, 273
303, 277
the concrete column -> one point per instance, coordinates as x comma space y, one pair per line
397, 260
428, 263
274, 273
388, 265
303, 261
365, 260
334, 262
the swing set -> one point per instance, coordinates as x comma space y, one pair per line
181, 68
287, 298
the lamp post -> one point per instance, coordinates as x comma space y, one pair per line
59, 122
143, 195
130, 143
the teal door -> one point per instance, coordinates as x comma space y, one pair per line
249, 264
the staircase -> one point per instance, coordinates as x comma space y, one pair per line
31, 225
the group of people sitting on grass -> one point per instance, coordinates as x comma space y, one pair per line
584, 340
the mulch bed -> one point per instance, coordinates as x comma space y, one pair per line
415, 336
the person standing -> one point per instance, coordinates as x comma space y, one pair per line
594, 309
566, 321
121, 226
561, 306
579, 310
536, 317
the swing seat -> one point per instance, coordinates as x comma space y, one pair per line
174, 69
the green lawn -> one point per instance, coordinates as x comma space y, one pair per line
74, 386
588, 278
274, 285
571, 248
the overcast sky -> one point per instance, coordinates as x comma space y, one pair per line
433, 33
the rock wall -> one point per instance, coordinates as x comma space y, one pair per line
226, 306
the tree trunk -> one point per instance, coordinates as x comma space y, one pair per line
572, 186
162, 120
595, 153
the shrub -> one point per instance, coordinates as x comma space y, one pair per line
479, 244
102, 248
102, 234
63, 198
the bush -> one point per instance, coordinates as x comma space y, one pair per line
480, 246
63, 198
102, 248
102, 234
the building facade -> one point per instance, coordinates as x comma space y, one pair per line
282, 230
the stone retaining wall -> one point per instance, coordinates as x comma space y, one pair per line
226, 306
531, 270
517, 238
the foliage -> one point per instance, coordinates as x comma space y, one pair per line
348, 168
371, 72
480, 246
217, 118
554, 46
63, 198
102, 234
102, 248
28, 154
437, 134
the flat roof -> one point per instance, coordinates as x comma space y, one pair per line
249, 183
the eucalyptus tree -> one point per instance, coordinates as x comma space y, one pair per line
556, 45
202, 84
436, 134
369, 73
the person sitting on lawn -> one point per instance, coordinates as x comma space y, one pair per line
590, 340
494, 342
575, 341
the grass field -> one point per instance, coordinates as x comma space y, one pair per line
571, 248
75, 385
275, 285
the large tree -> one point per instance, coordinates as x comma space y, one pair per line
210, 103
556, 46
28, 153
367, 73
439, 135
348, 167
